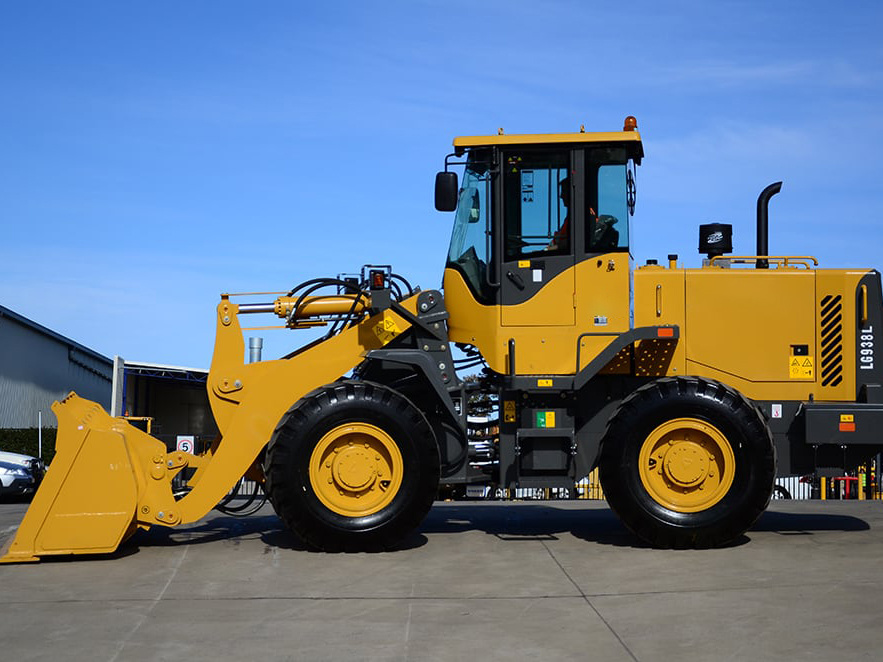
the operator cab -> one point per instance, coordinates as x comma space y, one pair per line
534, 203
539, 254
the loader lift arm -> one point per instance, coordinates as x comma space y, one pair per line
109, 479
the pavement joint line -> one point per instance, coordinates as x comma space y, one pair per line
289, 598
589, 602
727, 589
150, 609
581, 595
408, 629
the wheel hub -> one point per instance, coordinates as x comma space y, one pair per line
687, 465
356, 469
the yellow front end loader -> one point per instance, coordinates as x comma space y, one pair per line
688, 388
109, 479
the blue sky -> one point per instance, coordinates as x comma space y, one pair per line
153, 155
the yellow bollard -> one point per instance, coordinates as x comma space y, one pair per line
824, 490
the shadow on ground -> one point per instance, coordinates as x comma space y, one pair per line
808, 523
601, 525
233, 531
527, 521
510, 523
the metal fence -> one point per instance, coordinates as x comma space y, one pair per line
864, 485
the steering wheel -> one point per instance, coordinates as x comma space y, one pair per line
631, 192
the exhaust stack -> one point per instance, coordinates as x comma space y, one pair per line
254, 349
763, 226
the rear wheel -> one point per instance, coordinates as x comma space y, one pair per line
352, 466
687, 462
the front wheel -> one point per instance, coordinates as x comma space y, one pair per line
352, 466
687, 462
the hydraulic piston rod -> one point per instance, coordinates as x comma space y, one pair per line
310, 306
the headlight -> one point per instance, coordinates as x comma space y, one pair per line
15, 471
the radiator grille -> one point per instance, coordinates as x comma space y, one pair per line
831, 318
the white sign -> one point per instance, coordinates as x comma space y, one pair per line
477, 491
186, 443
777, 411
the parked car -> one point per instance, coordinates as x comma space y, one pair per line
19, 474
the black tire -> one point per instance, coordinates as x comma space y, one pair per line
678, 415
341, 412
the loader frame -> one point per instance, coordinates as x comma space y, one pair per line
683, 399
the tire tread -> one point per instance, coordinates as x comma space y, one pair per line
291, 439
708, 397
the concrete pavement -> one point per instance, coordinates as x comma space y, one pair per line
480, 580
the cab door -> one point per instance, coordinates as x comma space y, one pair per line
536, 275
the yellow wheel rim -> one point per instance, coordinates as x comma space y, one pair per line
687, 465
356, 469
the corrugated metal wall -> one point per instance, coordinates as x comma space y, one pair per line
36, 369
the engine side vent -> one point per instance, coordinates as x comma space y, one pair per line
831, 318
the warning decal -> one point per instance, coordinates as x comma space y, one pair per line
509, 411
545, 419
386, 329
800, 367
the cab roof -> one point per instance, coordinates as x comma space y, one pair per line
630, 139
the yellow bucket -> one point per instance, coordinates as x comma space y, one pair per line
88, 500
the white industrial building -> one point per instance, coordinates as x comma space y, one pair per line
39, 366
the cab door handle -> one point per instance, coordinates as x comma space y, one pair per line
517, 280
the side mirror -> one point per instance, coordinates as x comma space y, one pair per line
446, 191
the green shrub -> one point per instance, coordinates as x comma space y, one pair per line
25, 440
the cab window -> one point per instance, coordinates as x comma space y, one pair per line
468, 251
607, 218
536, 196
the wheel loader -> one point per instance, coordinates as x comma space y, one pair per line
685, 387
